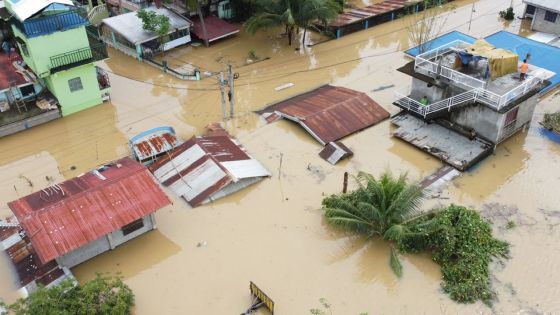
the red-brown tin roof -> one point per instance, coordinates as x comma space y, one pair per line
65, 216
330, 113
353, 15
207, 168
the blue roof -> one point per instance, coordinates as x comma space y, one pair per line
442, 40
542, 55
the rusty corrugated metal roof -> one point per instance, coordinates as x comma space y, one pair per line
152, 143
207, 168
25, 261
330, 113
334, 152
358, 14
65, 216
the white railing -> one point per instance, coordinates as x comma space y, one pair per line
481, 95
425, 110
96, 14
423, 63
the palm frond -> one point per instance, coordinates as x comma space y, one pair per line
395, 263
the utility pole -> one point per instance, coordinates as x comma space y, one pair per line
231, 95
222, 87
472, 11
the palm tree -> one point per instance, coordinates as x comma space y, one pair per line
292, 14
378, 208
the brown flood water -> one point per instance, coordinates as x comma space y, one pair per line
273, 233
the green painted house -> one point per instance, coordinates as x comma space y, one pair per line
58, 43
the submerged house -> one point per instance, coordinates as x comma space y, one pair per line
125, 33
206, 168
545, 15
466, 99
57, 42
68, 223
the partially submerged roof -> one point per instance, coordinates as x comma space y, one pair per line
215, 28
22, 254
334, 152
330, 113
207, 168
68, 215
130, 26
24, 9
152, 143
548, 4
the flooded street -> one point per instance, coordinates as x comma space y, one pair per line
273, 233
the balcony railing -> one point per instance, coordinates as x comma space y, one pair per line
49, 24
71, 59
94, 52
424, 64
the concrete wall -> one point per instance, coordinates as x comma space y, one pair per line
420, 89
103, 244
486, 121
541, 25
524, 116
72, 102
489, 123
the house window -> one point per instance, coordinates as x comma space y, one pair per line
550, 16
75, 84
511, 117
530, 9
133, 226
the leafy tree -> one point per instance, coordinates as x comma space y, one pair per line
461, 242
293, 15
153, 22
103, 295
378, 208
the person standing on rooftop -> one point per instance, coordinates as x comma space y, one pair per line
524, 68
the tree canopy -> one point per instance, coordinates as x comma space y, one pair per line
459, 239
293, 15
153, 22
103, 295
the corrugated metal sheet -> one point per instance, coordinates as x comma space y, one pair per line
330, 113
206, 168
25, 261
152, 143
24, 9
334, 152
73, 213
354, 15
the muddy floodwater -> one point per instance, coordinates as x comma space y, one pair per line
273, 233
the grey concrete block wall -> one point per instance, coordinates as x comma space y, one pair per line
486, 121
103, 244
541, 25
420, 89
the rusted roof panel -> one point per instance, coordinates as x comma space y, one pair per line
334, 152
202, 167
152, 143
65, 216
25, 261
355, 15
330, 113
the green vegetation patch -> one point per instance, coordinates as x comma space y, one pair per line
551, 121
458, 238
103, 295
